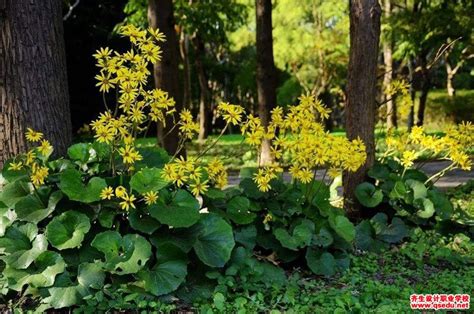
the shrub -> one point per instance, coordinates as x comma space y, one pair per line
116, 219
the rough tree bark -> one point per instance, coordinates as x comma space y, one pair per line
388, 74
361, 89
33, 78
166, 71
266, 72
205, 94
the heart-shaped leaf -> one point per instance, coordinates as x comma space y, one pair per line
368, 195
320, 262
164, 278
31, 209
142, 222
22, 245
214, 240
238, 210
343, 227
147, 180
71, 184
301, 236
67, 230
181, 211
125, 255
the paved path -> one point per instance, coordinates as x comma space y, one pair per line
451, 179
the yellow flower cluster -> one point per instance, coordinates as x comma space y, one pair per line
189, 172
128, 74
232, 114
187, 126
37, 171
300, 134
127, 200
453, 146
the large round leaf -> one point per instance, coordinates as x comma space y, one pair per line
125, 255
343, 227
368, 195
214, 240
300, 237
22, 245
147, 180
425, 206
7, 217
321, 263
31, 209
442, 204
143, 222
419, 189
13, 192
181, 211
41, 273
71, 184
164, 278
238, 210
67, 230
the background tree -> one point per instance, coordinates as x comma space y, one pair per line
387, 47
33, 79
166, 71
266, 74
361, 88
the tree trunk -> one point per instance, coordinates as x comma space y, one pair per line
449, 79
266, 72
425, 88
411, 77
33, 78
166, 72
361, 89
184, 50
205, 94
388, 74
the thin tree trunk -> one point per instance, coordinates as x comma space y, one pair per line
266, 72
425, 88
388, 75
205, 94
184, 50
411, 77
361, 89
166, 71
33, 78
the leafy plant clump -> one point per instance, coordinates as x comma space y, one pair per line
113, 219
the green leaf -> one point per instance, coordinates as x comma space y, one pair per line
125, 255
91, 275
71, 184
321, 263
61, 297
379, 172
418, 188
153, 157
106, 217
13, 192
164, 278
324, 238
79, 152
399, 191
301, 237
7, 217
214, 240
238, 210
442, 204
392, 233
425, 206
250, 188
247, 236
67, 230
13, 175
147, 180
343, 227
22, 245
181, 212
41, 273
142, 222
31, 209
368, 195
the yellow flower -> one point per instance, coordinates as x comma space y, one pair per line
38, 175
105, 82
127, 202
15, 166
268, 218
198, 187
104, 134
150, 197
232, 114
45, 148
33, 136
129, 154
107, 193
102, 53
407, 158
30, 158
120, 191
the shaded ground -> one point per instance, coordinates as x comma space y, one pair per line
449, 180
